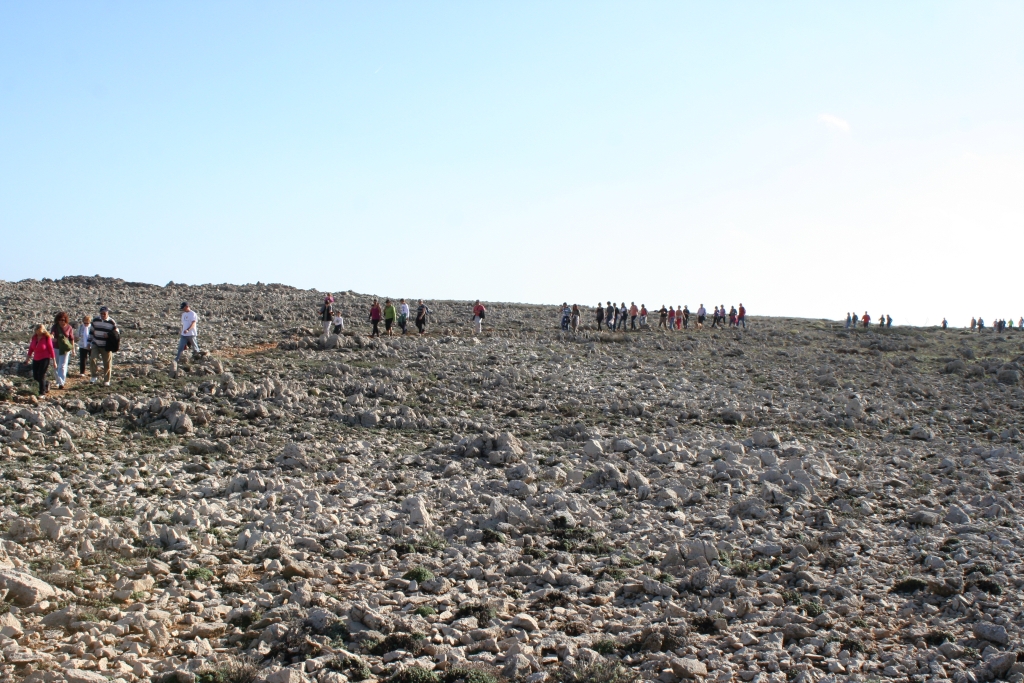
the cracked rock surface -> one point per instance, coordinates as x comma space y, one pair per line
790, 502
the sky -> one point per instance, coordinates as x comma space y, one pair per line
803, 158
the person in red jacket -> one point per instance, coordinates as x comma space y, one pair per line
478, 316
866, 319
375, 316
40, 352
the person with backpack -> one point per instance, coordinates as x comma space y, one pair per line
327, 313
403, 315
702, 315
375, 316
421, 317
189, 330
609, 317
663, 317
64, 346
599, 315
390, 316
40, 353
574, 319
633, 312
643, 316
742, 317
104, 339
479, 313
83, 345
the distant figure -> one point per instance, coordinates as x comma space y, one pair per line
702, 315
981, 324
686, 316
742, 320
421, 317
866, 319
679, 317
888, 321
63, 345
974, 324
847, 320
732, 316
327, 313
403, 315
609, 317
714, 317
633, 311
40, 353
189, 330
566, 314
1020, 323
102, 329
479, 313
574, 318
623, 314
338, 323
83, 345
375, 316
944, 324
662, 317
390, 316
599, 313
671, 318
643, 315
881, 321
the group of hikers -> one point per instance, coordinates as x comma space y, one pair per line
998, 326
614, 318
94, 341
391, 315
865, 320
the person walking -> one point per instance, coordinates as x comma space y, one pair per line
633, 312
662, 317
103, 335
671, 319
375, 316
327, 313
40, 353
686, 316
623, 315
981, 325
83, 345
847, 320
702, 315
944, 324
974, 324
403, 315
190, 331
609, 317
599, 315
63, 345
714, 318
742, 319
643, 316
888, 321
479, 313
390, 315
338, 323
421, 317
866, 320
566, 315
574, 319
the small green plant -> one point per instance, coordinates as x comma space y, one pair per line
605, 646
198, 574
424, 611
418, 574
482, 613
852, 645
138, 596
813, 608
410, 642
233, 671
936, 638
792, 597
907, 586
596, 673
461, 674
491, 536
415, 674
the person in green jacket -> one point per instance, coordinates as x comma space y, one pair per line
390, 315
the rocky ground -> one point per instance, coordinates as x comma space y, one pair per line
791, 502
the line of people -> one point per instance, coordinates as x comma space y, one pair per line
95, 341
391, 315
614, 318
865, 320
999, 326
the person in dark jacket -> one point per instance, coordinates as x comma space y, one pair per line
102, 327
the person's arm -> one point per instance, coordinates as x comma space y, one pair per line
31, 348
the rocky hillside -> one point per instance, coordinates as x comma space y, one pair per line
789, 502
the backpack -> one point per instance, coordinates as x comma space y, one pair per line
64, 344
113, 341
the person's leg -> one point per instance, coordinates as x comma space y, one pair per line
94, 355
108, 366
83, 359
38, 372
193, 342
182, 340
62, 368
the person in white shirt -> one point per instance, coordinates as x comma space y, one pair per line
83, 345
403, 315
339, 323
189, 330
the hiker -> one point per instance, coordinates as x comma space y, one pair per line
421, 317
881, 321
732, 316
390, 315
643, 315
702, 315
944, 324
662, 316
981, 324
375, 316
479, 313
83, 345
609, 317
327, 313
633, 311
888, 321
741, 318
63, 345
403, 315
686, 316
574, 318
847, 320
189, 330
40, 353
1020, 323
974, 324
338, 323
671, 319
566, 314
623, 314
714, 318
102, 330
866, 320
599, 313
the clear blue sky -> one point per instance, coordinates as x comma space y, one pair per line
803, 158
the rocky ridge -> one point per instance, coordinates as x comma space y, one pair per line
790, 502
